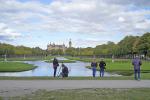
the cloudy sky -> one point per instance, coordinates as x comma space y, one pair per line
87, 22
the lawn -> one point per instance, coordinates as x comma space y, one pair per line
15, 67
28, 58
90, 59
124, 66
88, 94
144, 76
64, 61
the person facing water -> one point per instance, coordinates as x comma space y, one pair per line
136, 62
94, 66
64, 70
102, 66
55, 65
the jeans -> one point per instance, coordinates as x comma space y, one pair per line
94, 71
136, 74
101, 72
55, 70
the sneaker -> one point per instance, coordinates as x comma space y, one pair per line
138, 79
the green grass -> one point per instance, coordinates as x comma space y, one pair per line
15, 67
91, 59
88, 94
125, 68
64, 61
144, 76
28, 58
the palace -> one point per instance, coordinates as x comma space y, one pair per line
53, 46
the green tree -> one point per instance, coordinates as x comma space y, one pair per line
128, 45
144, 44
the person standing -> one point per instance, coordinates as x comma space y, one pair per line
102, 65
55, 65
136, 62
94, 66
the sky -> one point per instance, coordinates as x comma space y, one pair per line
87, 23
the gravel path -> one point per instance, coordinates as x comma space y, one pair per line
21, 87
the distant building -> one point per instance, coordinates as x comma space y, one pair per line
70, 44
53, 46
56, 47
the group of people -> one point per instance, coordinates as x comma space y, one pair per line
102, 66
136, 62
64, 72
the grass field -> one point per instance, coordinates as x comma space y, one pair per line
120, 66
28, 58
144, 76
15, 67
60, 61
125, 68
88, 94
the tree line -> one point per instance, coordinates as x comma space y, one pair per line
7, 49
128, 46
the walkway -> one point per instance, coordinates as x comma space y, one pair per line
21, 87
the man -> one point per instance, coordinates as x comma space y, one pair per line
102, 65
94, 66
55, 65
136, 63
64, 71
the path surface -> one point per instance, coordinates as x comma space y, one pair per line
21, 87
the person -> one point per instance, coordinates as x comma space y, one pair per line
55, 65
102, 66
136, 62
94, 66
64, 70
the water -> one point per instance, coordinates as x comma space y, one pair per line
46, 69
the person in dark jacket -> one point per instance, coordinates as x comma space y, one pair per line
136, 63
94, 66
102, 65
64, 71
55, 65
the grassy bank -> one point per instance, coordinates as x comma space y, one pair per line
124, 68
120, 66
144, 76
97, 59
15, 67
88, 94
28, 58
60, 61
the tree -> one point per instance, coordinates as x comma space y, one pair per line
144, 44
128, 45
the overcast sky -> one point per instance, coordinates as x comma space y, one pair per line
87, 22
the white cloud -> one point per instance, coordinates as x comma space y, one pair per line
121, 19
90, 42
81, 16
100, 17
7, 33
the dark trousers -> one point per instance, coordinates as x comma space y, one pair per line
65, 74
136, 74
94, 71
55, 70
101, 72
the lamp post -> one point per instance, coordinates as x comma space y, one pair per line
24, 56
5, 55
